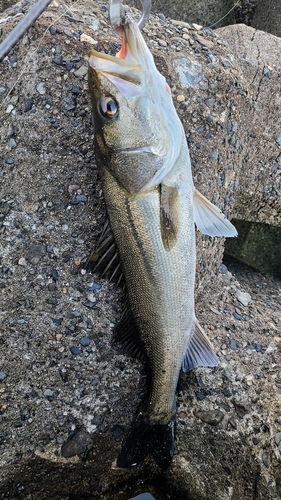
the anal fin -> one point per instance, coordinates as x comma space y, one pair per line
127, 334
209, 219
200, 351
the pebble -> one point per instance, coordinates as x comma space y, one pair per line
81, 72
29, 104
12, 143
180, 98
9, 161
210, 102
22, 262
211, 417
9, 109
2, 376
237, 316
84, 341
266, 459
41, 88
117, 431
243, 297
223, 269
81, 197
278, 438
52, 30
232, 422
233, 345
48, 393
94, 286
35, 253
81, 442
278, 140
54, 274
2, 90
75, 350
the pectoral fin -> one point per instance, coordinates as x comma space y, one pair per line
105, 259
200, 351
169, 215
209, 219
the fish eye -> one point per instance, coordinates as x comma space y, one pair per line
108, 107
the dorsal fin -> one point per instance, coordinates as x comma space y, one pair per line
200, 351
209, 219
105, 259
127, 334
169, 215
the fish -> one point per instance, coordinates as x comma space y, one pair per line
152, 205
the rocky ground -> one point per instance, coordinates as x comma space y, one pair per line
67, 398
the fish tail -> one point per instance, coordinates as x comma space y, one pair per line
147, 438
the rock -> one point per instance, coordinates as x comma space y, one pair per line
277, 438
80, 443
35, 253
211, 417
2, 376
230, 143
243, 297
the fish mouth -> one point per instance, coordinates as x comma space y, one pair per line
126, 68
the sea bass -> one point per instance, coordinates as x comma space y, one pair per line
152, 205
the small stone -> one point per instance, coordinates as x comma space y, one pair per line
232, 422
233, 345
223, 269
278, 438
241, 409
117, 431
2, 376
2, 90
211, 417
278, 140
12, 143
81, 197
237, 316
9, 161
266, 459
75, 350
81, 72
48, 393
41, 88
210, 102
197, 26
180, 98
22, 262
81, 442
84, 341
28, 106
57, 321
9, 109
243, 297
162, 43
55, 274
95, 286
35, 253
52, 30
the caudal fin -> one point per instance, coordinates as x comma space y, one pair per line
148, 438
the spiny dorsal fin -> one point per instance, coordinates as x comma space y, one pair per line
105, 259
128, 336
169, 215
200, 351
209, 219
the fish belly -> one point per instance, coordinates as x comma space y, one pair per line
160, 283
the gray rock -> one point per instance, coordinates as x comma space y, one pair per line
243, 297
41, 89
277, 438
81, 72
80, 443
211, 417
35, 253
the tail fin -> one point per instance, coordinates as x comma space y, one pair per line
148, 438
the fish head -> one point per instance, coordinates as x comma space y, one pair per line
136, 125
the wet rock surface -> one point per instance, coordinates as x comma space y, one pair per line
67, 398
